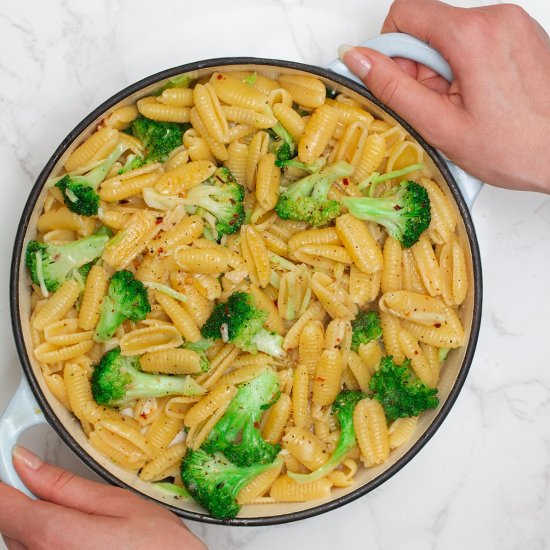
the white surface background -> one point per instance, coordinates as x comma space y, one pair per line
483, 480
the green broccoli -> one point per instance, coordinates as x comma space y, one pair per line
406, 213
343, 408
399, 392
240, 322
222, 196
366, 327
126, 299
132, 163
237, 434
50, 265
80, 192
200, 347
284, 146
306, 199
214, 482
117, 380
159, 138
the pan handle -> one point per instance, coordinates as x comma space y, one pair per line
21, 413
396, 44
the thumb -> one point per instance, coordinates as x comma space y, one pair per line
432, 114
62, 487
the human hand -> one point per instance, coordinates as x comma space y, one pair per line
77, 513
494, 119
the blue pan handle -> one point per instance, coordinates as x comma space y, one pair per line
21, 413
409, 47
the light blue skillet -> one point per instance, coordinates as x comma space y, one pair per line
23, 411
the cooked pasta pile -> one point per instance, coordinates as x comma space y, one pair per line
147, 209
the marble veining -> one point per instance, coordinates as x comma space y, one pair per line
483, 481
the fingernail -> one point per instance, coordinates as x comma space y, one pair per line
356, 60
28, 458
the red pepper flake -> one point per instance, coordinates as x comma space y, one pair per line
161, 250
123, 201
345, 181
437, 325
257, 425
397, 207
160, 219
219, 77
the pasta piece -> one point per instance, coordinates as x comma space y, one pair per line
371, 355
130, 242
422, 368
361, 372
237, 160
78, 391
317, 133
171, 361
300, 397
185, 177
334, 299
401, 430
276, 419
414, 307
391, 272
349, 113
444, 218
403, 155
411, 278
149, 339
314, 312
372, 155
211, 112
121, 118
311, 344
285, 489
211, 402
274, 322
65, 333
178, 97
328, 377
94, 291
164, 463
162, 431
442, 335
95, 148
290, 120
267, 182
369, 422
63, 218
58, 305
216, 147
390, 336
233, 91
183, 233
118, 190
305, 447
362, 248
162, 112
325, 236
255, 256
363, 287
307, 91
294, 293
114, 451
208, 261
249, 117
259, 485
180, 317
427, 265
56, 385
460, 275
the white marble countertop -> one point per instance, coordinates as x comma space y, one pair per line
486, 473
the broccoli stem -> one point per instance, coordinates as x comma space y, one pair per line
109, 320
375, 209
269, 343
94, 178
147, 385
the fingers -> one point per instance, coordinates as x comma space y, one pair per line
428, 20
429, 112
424, 75
13, 544
62, 487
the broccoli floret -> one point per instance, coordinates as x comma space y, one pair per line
306, 199
284, 146
406, 214
79, 192
200, 347
222, 196
237, 433
215, 482
117, 380
400, 394
343, 408
159, 138
132, 163
50, 265
366, 327
126, 299
240, 322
